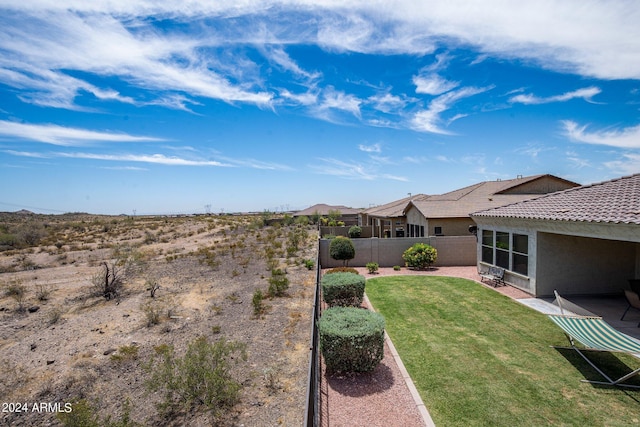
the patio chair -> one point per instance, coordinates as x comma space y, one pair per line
634, 301
597, 335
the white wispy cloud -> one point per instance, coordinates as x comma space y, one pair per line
343, 169
375, 148
387, 103
430, 120
281, 58
628, 137
585, 93
159, 159
627, 165
352, 170
64, 136
576, 160
602, 40
433, 84
35, 51
333, 99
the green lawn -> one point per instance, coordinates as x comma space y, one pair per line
479, 358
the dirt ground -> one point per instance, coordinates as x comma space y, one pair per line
60, 343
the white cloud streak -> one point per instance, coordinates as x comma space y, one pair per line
64, 136
433, 84
429, 120
352, 170
622, 138
375, 148
628, 165
159, 159
585, 93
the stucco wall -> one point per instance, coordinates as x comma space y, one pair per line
581, 265
452, 250
451, 226
414, 216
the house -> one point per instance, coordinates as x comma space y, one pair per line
448, 214
388, 220
347, 215
580, 241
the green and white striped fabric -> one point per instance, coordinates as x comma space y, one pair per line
595, 334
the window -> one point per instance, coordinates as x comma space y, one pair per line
502, 249
437, 231
487, 246
507, 250
520, 254
422, 231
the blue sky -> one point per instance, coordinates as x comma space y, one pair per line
128, 106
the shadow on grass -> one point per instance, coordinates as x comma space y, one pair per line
362, 384
608, 363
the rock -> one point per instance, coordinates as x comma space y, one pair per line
33, 347
33, 309
50, 362
109, 351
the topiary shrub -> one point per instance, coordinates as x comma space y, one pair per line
341, 248
420, 256
343, 289
355, 231
351, 339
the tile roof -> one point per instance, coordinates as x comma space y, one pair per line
486, 195
323, 209
614, 201
393, 209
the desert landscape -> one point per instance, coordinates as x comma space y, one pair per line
104, 318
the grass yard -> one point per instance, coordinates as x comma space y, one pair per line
479, 358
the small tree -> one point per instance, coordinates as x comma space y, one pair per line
420, 256
341, 248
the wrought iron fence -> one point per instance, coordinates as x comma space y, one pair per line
312, 409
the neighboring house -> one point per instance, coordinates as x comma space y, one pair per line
348, 215
388, 220
585, 240
448, 214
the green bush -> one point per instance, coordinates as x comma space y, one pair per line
278, 283
355, 231
309, 264
420, 256
397, 268
258, 304
201, 377
343, 289
372, 267
351, 339
341, 248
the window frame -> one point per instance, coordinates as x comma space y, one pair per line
504, 254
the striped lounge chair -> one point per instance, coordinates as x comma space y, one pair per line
595, 334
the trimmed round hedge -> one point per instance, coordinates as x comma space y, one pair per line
341, 248
343, 289
351, 339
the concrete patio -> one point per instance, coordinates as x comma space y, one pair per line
610, 308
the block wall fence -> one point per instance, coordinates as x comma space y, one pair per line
452, 251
